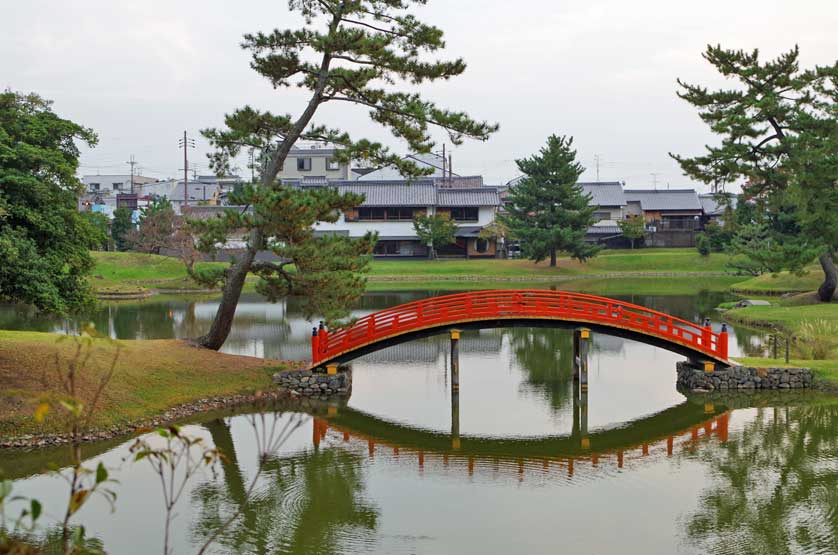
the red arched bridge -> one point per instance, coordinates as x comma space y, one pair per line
527, 307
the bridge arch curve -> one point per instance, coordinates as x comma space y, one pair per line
517, 307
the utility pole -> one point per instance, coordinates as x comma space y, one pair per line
132, 162
186, 143
655, 180
451, 167
444, 159
596, 161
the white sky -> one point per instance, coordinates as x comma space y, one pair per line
603, 71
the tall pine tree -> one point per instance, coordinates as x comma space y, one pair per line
779, 135
547, 210
349, 52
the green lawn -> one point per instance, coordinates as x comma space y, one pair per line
607, 262
127, 272
783, 282
787, 317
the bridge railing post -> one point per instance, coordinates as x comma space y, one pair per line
706, 334
315, 345
723, 342
322, 339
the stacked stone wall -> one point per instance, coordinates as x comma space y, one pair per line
742, 377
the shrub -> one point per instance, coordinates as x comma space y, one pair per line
816, 339
702, 243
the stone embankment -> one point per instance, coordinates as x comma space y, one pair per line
315, 384
742, 378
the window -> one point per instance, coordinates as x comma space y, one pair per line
599, 216
463, 214
385, 248
117, 186
332, 164
385, 214
304, 164
94, 186
481, 245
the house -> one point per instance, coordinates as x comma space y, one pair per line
313, 163
389, 207
714, 206
673, 216
666, 209
431, 161
198, 194
113, 183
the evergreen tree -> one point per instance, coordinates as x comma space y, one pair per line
121, 228
44, 240
155, 228
436, 231
633, 228
346, 54
547, 210
779, 129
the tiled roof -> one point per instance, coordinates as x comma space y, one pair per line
477, 196
711, 206
418, 193
384, 193
664, 199
605, 193
208, 212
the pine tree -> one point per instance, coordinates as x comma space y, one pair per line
779, 129
121, 228
548, 210
155, 227
356, 53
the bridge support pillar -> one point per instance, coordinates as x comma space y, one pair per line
455, 361
581, 347
455, 389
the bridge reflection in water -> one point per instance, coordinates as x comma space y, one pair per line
664, 434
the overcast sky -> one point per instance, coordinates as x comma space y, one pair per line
603, 71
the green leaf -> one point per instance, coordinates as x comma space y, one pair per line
35, 509
101, 473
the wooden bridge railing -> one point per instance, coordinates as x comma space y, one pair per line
534, 304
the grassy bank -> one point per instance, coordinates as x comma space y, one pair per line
788, 317
133, 272
607, 262
150, 377
596, 286
784, 282
129, 273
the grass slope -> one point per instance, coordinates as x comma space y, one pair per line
610, 261
127, 272
783, 316
150, 377
783, 282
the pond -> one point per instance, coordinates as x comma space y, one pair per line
658, 472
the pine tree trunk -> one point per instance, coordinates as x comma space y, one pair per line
552, 257
830, 281
223, 321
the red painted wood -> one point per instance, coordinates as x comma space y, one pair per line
516, 304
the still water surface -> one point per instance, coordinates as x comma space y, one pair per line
659, 473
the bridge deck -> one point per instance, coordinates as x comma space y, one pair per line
492, 306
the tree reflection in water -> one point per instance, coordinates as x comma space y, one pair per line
546, 356
310, 502
775, 486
